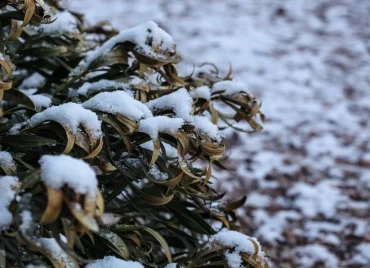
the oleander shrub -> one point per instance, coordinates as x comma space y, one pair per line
107, 151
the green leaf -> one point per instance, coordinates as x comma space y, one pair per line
116, 241
151, 199
161, 241
191, 220
234, 205
16, 97
45, 51
23, 140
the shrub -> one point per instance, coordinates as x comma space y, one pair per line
107, 151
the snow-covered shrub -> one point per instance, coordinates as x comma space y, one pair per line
102, 143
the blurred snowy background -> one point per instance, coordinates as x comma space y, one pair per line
307, 175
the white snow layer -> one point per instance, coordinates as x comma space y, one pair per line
239, 243
179, 102
229, 87
26, 219
118, 102
203, 92
101, 84
7, 194
155, 125
138, 35
70, 115
65, 23
171, 265
6, 159
35, 80
60, 170
40, 100
111, 262
234, 239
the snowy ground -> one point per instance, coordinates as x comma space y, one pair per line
307, 175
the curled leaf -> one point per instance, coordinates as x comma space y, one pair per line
54, 205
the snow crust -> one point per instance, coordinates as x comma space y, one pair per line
203, 92
35, 80
6, 159
118, 102
230, 87
179, 102
65, 23
101, 84
40, 100
154, 125
138, 35
70, 115
111, 261
239, 243
60, 170
7, 194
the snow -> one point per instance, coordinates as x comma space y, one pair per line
311, 254
258, 200
234, 239
60, 170
138, 35
52, 247
40, 100
234, 260
110, 262
70, 115
157, 124
321, 198
118, 102
171, 265
179, 102
239, 243
363, 254
157, 174
203, 92
6, 159
203, 125
35, 80
271, 227
229, 88
65, 23
26, 220
7, 194
100, 85
109, 219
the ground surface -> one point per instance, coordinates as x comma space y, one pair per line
307, 174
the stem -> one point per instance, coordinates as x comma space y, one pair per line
70, 82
